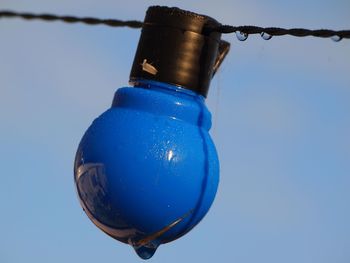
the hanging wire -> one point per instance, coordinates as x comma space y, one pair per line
276, 31
73, 19
242, 32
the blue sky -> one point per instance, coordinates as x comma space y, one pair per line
281, 115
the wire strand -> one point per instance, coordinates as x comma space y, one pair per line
225, 29
277, 31
73, 19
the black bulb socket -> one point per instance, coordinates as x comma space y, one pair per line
179, 47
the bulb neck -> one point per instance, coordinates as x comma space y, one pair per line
164, 100
167, 88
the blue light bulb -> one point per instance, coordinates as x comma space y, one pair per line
147, 170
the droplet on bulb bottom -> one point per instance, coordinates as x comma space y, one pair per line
336, 38
241, 36
266, 36
145, 252
146, 247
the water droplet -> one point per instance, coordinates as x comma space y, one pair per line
266, 36
241, 36
336, 38
145, 252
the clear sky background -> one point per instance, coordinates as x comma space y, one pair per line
281, 123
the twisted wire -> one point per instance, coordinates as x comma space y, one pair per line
225, 29
73, 19
277, 31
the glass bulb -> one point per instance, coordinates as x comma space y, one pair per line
147, 170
